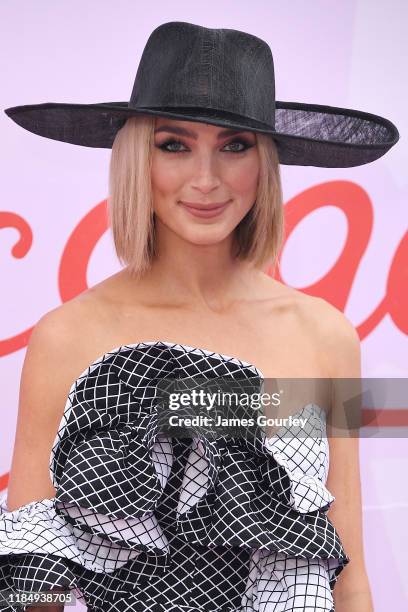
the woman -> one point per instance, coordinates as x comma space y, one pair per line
137, 520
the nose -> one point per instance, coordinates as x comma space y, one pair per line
206, 173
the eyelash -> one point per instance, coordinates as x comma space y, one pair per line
178, 142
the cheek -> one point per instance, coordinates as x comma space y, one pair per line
243, 178
166, 177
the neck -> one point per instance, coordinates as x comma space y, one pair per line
207, 275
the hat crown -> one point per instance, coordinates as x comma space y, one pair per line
187, 65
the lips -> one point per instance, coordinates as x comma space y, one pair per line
207, 211
198, 206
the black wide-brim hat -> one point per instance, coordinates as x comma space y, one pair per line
223, 77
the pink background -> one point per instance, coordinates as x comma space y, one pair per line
349, 54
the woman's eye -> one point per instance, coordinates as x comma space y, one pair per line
239, 142
169, 143
165, 146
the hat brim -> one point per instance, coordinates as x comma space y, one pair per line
305, 134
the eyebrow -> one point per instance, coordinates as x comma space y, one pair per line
184, 132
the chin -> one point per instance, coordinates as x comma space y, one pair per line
208, 237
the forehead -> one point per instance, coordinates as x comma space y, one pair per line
194, 129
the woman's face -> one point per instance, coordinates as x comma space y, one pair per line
202, 165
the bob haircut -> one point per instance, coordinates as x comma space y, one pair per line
258, 236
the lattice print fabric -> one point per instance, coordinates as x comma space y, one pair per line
142, 521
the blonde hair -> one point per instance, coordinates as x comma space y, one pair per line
259, 235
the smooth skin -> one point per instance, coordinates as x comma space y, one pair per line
196, 293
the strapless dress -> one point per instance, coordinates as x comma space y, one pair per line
146, 522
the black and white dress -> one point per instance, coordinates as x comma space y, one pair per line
145, 522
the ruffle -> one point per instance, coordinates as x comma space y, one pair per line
307, 491
111, 465
37, 528
281, 583
248, 492
34, 544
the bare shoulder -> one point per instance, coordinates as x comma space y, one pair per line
336, 335
55, 351
327, 317
69, 334
61, 328
66, 337
76, 333
324, 326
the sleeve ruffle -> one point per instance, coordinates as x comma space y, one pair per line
34, 545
